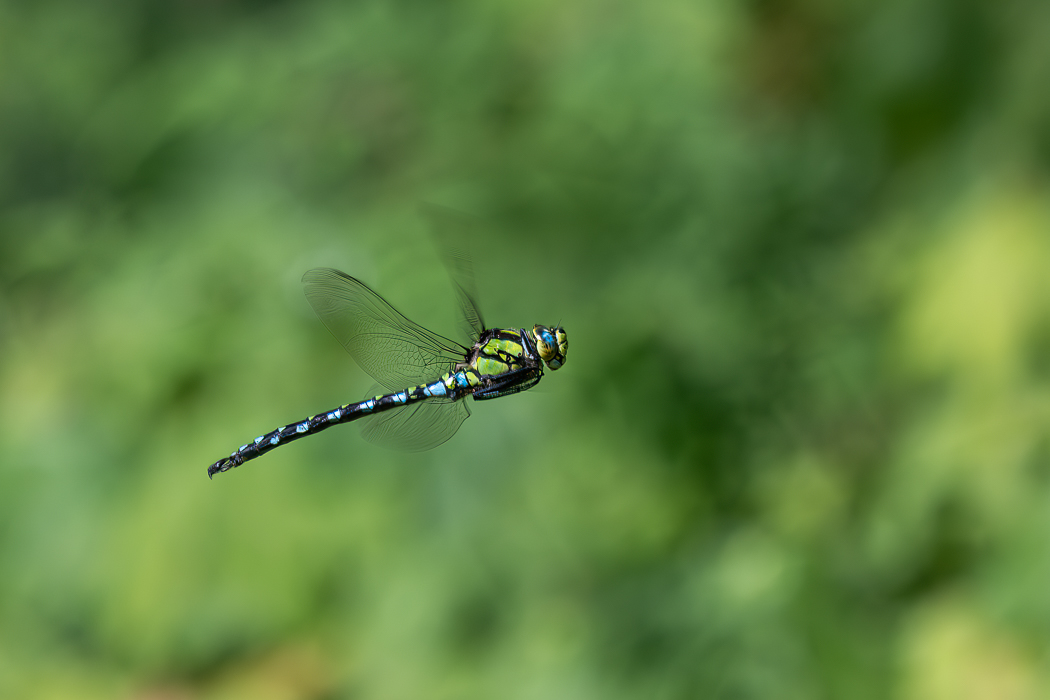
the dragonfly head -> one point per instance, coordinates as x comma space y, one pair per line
552, 345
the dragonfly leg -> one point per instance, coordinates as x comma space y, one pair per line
510, 383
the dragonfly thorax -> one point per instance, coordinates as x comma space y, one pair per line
552, 344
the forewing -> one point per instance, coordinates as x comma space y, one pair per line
453, 233
395, 351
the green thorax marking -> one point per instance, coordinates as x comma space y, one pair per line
501, 353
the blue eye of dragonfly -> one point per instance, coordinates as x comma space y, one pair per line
551, 345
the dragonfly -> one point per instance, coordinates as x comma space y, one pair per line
424, 377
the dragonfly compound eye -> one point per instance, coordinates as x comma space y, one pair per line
551, 345
563, 344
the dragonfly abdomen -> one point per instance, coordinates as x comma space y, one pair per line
449, 386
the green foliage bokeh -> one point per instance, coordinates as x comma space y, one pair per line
798, 450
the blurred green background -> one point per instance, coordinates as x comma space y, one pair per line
799, 449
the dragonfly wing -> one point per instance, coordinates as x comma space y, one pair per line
416, 427
453, 232
394, 350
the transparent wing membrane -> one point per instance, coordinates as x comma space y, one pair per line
453, 232
417, 426
395, 351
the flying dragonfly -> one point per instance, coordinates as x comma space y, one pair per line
424, 378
